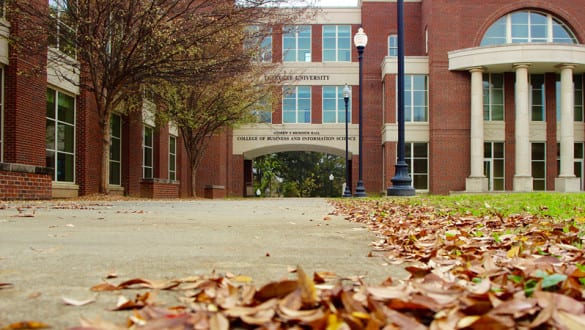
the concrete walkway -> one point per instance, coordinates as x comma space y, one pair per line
61, 249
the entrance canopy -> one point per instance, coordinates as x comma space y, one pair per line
542, 57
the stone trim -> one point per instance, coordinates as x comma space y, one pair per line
23, 168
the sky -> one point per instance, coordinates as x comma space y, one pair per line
337, 3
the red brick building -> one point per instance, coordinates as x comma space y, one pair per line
494, 101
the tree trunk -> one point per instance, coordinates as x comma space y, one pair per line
194, 181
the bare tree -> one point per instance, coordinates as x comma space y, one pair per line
113, 48
202, 110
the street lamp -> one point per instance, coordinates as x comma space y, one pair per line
346, 95
360, 40
331, 177
401, 182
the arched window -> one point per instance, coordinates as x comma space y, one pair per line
528, 26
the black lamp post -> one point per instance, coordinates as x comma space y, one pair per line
331, 178
401, 182
360, 40
346, 94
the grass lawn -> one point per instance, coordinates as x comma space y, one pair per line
558, 206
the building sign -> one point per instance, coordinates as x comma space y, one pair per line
297, 77
294, 136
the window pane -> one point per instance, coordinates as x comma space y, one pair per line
499, 184
116, 126
519, 18
579, 150
538, 185
51, 103
329, 104
115, 177
147, 157
329, 92
329, 55
538, 151
420, 82
420, 182
329, 117
420, 150
148, 136
50, 162
148, 173
289, 117
497, 112
498, 168
66, 108
345, 56
65, 167
115, 150
65, 138
420, 166
330, 43
420, 114
50, 135
498, 150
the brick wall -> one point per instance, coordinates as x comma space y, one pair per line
88, 146
25, 97
159, 188
132, 153
241, 175
213, 170
24, 182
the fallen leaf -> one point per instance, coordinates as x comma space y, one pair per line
307, 286
570, 321
26, 325
276, 290
105, 287
6, 285
75, 302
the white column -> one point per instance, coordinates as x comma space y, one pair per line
476, 182
567, 181
523, 154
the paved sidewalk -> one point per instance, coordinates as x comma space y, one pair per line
48, 253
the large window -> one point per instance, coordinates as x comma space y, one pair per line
537, 97
494, 167
392, 45
116, 150
416, 156
336, 43
172, 158
63, 37
261, 38
296, 106
60, 135
296, 43
416, 98
528, 26
334, 105
539, 166
493, 97
148, 154
578, 99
